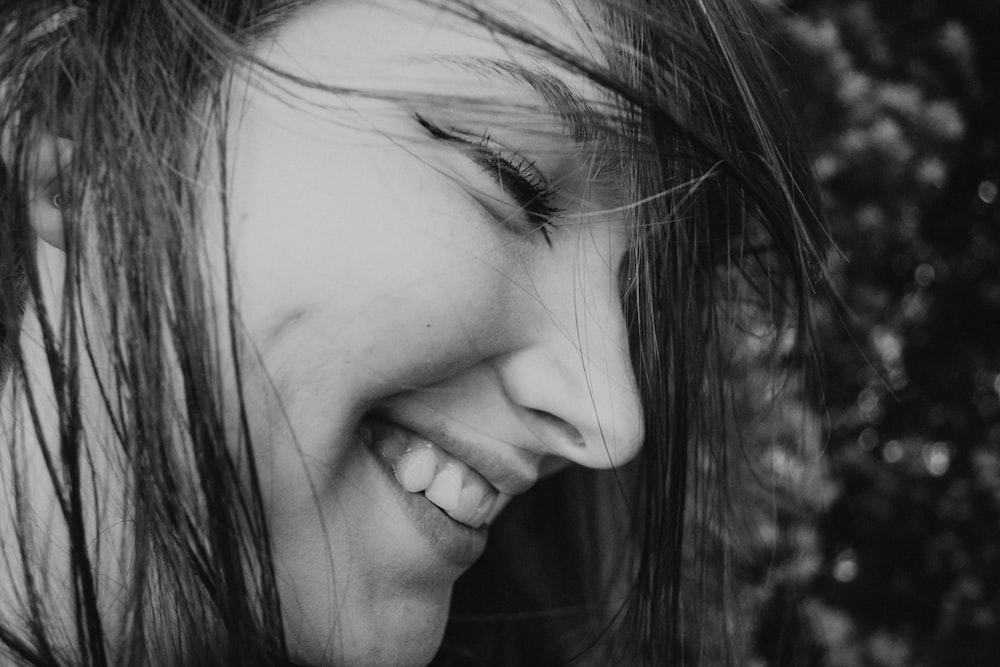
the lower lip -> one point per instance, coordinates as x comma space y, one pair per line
454, 542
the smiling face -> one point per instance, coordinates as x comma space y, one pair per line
428, 283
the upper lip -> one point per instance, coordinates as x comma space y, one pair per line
511, 471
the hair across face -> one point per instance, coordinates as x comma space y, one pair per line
427, 267
337, 281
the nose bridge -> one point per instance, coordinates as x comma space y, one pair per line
577, 368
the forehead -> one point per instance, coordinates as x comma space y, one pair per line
415, 49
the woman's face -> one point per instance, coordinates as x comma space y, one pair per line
429, 292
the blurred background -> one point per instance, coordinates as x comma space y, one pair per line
902, 567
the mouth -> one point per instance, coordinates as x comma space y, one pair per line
421, 467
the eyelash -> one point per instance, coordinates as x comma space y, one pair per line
516, 175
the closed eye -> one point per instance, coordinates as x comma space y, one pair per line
516, 175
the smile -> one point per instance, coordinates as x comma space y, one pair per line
422, 467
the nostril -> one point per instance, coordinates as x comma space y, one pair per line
588, 414
558, 435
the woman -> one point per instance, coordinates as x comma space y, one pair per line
299, 295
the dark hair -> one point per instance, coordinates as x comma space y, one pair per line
728, 238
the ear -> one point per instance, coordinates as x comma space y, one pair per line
47, 159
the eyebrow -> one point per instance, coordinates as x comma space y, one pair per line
577, 114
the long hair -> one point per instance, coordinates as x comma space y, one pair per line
589, 565
730, 241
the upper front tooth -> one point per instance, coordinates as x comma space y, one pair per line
473, 494
415, 470
446, 489
420, 465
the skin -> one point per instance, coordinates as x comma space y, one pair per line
381, 271
375, 279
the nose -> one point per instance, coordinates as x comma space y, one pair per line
574, 380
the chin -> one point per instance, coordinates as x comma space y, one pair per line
389, 634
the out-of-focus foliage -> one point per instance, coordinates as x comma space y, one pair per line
902, 106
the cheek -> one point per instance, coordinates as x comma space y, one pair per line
361, 255
360, 272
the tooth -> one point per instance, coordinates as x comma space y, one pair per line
421, 466
446, 489
484, 510
470, 499
415, 470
